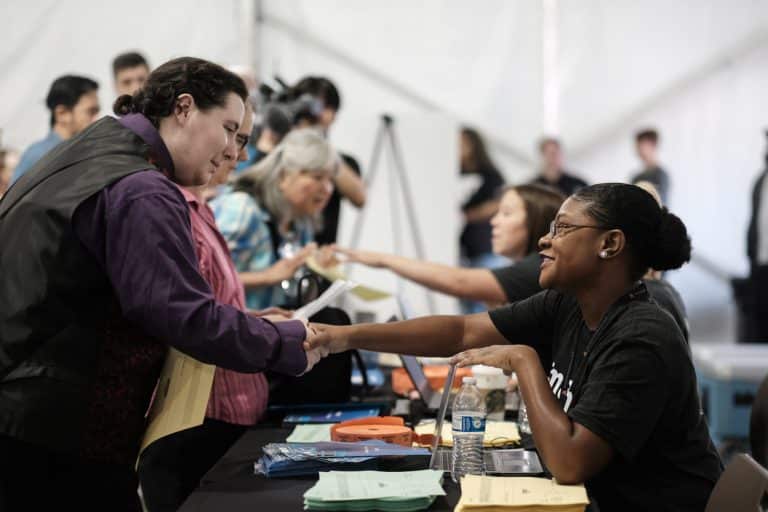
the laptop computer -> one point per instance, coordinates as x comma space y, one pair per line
496, 462
429, 397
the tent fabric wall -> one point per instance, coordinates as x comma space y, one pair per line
47, 39
696, 70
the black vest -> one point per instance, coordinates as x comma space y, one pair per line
55, 298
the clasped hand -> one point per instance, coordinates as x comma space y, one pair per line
322, 340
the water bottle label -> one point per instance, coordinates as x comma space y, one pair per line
468, 423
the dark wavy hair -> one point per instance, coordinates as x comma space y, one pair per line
656, 238
541, 206
208, 83
67, 90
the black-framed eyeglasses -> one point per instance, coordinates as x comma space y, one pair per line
557, 228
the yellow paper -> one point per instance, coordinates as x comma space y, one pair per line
488, 493
497, 433
181, 397
333, 273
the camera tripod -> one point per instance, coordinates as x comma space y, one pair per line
398, 179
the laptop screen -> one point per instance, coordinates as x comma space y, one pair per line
414, 369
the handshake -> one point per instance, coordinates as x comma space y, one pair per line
320, 339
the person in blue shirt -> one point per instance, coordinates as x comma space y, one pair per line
74, 105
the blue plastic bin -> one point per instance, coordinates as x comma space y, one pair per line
729, 375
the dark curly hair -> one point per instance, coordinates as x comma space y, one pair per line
208, 83
656, 238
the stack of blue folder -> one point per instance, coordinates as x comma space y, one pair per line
297, 459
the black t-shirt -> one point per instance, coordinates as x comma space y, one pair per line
632, 383
658, 177
567, 184
521, 280
333, 208
669, 300
476, 237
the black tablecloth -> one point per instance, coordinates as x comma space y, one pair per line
231, 485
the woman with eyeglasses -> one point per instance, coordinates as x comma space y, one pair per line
618, 410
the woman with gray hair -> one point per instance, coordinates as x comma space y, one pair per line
276, 205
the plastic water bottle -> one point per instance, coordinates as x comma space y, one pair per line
468, 430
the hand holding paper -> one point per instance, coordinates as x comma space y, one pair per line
331, 294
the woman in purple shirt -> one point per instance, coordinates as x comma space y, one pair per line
100, 276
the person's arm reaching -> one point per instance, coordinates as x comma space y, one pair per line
443, 335
139, 232
465, 283
427, 336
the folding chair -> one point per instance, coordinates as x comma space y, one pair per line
740, 488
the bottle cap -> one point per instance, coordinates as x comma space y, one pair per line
468, 380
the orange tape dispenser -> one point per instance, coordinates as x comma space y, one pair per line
390, 429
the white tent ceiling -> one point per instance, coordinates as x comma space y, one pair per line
696, 70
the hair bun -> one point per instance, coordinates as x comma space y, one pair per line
672, 246
123, 105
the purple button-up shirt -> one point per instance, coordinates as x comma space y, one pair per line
138, 229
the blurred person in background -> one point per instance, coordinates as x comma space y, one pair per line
478, 209
129, 71
753, 294
73, 102
553, 171
273, 126
270, 217
647, 147
347, 182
